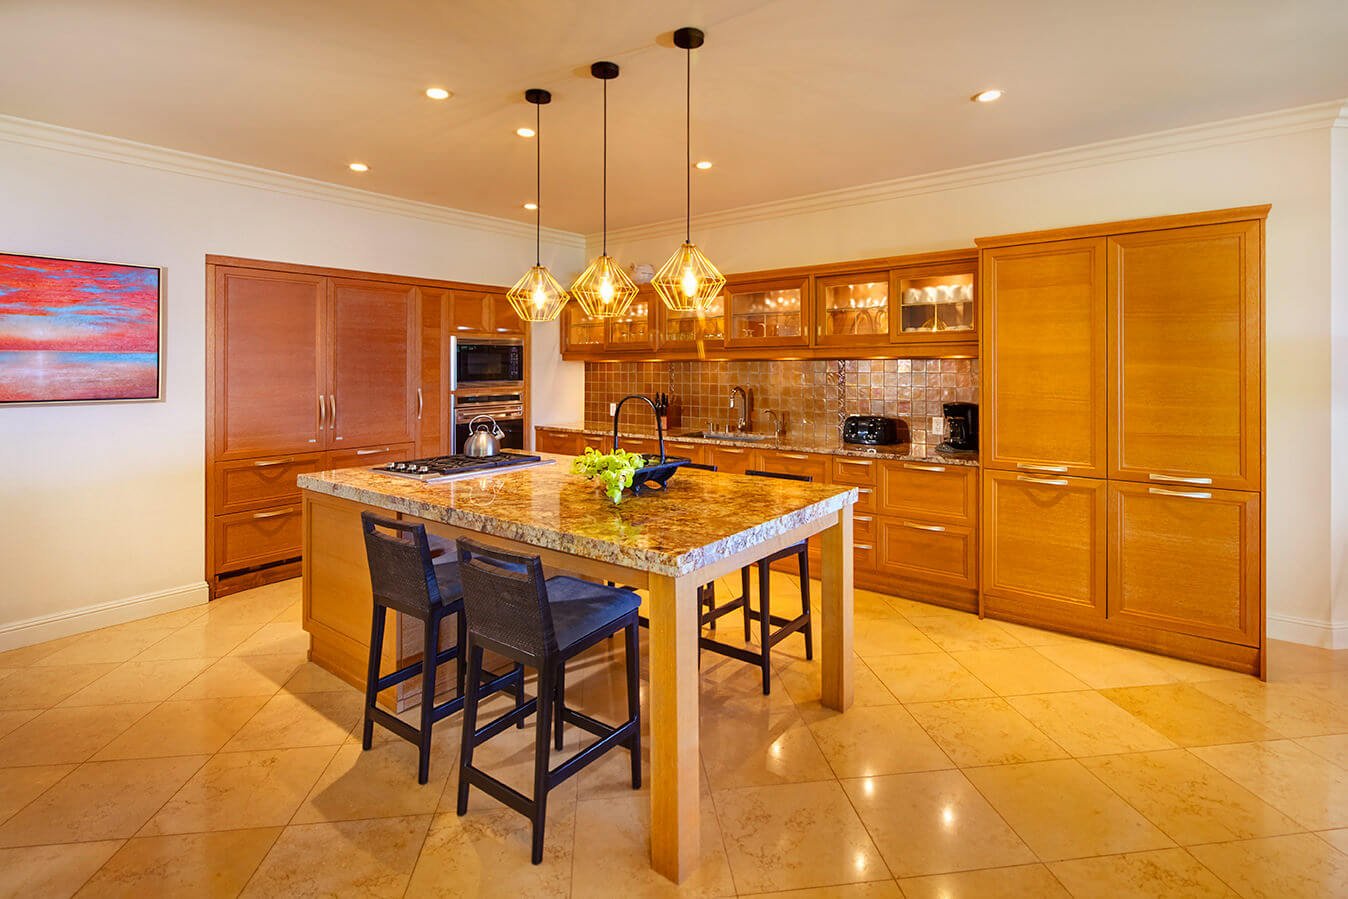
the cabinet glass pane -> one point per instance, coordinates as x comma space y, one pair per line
581, 329
944, 303
858, 308
765, 314
687, 327
633, 326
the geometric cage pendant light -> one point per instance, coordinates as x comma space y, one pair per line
688, 281
604, 290
537, 297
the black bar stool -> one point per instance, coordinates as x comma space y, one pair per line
513, 611
404, 578
768, 637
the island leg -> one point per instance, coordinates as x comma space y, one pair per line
836, 606
675, 822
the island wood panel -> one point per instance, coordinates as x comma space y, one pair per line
1185, 313
375, 370
1043, 357
433, 377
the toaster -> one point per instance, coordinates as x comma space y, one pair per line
869, 429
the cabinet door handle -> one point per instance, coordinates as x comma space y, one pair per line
800, 456
862, 546
1175, 479
865, 462
1187, 494
1052, 469
1047, 482
278, 512
421, 403
935, 528
322, 412
332, 412
856, 518
913, 466
263, 463
371, 452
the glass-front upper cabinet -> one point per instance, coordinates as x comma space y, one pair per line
852, 308
767, 313
935, 305
684, 331
635, 329
582, 333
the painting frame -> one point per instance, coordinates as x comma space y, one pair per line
158, 331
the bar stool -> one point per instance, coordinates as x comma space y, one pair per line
768, 637
404, 578
511, 610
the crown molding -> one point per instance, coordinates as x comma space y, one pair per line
1192, 137
100, 146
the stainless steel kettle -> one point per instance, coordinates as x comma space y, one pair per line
485, 441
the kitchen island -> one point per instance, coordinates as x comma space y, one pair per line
703, 526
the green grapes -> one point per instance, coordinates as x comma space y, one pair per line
614, 470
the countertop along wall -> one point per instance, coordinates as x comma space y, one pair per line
1282, 158
104, 504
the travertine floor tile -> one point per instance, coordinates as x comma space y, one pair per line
24, 656
1103, 667
875, 889
242, 676
965, 634
934, 822
1336, 838
1299, 866
13, 718
487, 852
372, 858
984, 732
201, 640
138, 682
865, 742
926, 677
309, 678
44, 871
791, 836
757, 749
44, 687
379, 783
1018, 670
1161, 874
801, 680
99, 801
1189, 799
195, 864
288, 721
1287, 708
273, 639
20, 786
1188, 716
1024, 882
61, 736
108, 645
1061, 811
186, 727
888, 636
1291, 778
1086, 723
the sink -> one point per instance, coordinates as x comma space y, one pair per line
724, 435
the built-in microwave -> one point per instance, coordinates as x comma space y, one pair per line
486, 362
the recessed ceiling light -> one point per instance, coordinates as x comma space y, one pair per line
987, 96
531, 206
525, 132
358, 167
438, 93
704, 164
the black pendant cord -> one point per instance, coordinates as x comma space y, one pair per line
538, 184
688, 145
604, 179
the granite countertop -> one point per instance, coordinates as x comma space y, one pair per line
902, 452
701, 517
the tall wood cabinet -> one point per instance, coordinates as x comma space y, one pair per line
309, 369
1122, 444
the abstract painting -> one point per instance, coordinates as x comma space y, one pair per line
75, 331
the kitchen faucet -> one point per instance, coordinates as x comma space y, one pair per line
741, 422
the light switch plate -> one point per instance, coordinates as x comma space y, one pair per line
938, 426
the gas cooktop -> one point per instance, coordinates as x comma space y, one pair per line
447, 468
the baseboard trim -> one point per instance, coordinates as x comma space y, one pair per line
118, 611
1309, 631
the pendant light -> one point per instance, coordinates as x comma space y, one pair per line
537, 297
688, 281
604, 290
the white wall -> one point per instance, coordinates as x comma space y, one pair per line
1283, 159
104, 504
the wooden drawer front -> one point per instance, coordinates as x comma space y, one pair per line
371, 455
863, 542
1044, 543
928, 490
563, 442
863, 529
733, 459
246, 539
865, 504
1185, 560
695, 451
857, 472
932, 551
643, 445
259, 482
811, 465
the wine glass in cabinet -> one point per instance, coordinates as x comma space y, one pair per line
636, 329
688, 331
852, 308
582, 333
767, 313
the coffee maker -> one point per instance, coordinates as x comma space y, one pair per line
961, 428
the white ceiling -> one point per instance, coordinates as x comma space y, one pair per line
790, 96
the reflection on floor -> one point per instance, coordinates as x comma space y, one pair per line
199, 753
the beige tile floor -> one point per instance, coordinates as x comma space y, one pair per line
198, 753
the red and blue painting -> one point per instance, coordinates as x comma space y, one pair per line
75, 331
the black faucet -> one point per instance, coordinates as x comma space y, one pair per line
659, 431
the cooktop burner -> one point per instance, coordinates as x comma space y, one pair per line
444, 468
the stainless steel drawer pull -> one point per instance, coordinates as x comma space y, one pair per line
1187, 494
1174, 479
278, 512
1053, 469
913, 466
865, 462
263, 463
1047, 482
322, 412
935, 528
862, 518
862, 546
371, 452
421, 403
800, 456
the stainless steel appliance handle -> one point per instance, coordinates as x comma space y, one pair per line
1175, 479
1186, 494
322, 412
263, 463
453, 362
916, 467
371, 452
1052, 469
1047, 482
278, 512
935, 528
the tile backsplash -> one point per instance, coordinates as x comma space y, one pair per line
814, 395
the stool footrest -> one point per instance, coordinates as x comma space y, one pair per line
576, 763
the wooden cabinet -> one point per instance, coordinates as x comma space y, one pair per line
730, 459
1186, 560
767, 313
695, 452
246, 540
369, 456
638, 329
935, 304
582, 334
930, 552
1043, 357
814, 466
252, 483
566, 443
433, 379
1044, 546
373, 370
929, 490
692, 333
852, 309
503, 320
1185, 353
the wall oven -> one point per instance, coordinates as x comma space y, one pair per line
506, 408
486, 362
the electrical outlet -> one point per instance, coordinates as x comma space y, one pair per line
612, 409
938, 426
